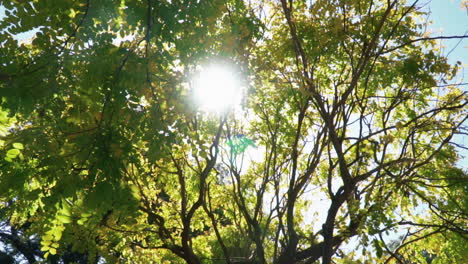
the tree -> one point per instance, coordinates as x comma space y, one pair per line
105, 152
20, 245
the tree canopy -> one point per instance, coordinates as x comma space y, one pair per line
341, 151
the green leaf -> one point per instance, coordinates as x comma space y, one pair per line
64, 219
378, 248
86, 214
12, 153
18, 145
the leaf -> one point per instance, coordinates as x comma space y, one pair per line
72, 13
86, 214
66, 209
18, 145
57, 233
52, 251
46, 240
12, 153
45, 248
378, 248
64, 219
399, 125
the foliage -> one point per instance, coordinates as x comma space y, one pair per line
105, 154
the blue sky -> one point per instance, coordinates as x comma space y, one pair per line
449, 17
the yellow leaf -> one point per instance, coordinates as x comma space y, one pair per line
72, 13
45, 248
53, 251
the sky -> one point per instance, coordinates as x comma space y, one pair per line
450, 18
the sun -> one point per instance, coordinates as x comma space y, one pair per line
217, 88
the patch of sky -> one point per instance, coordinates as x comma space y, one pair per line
450, 18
